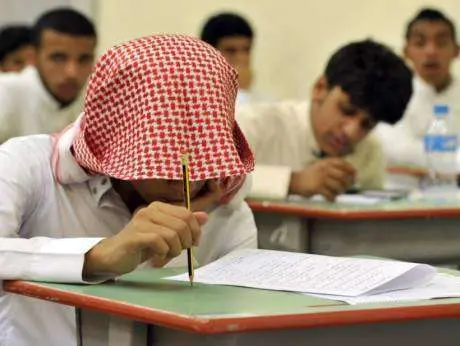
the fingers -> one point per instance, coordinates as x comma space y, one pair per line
338, 176
151, 244
158, 262
184, 221
163, 243
327, 193
201, 217
159, 231
164, 230
342, 165
338, 180
177, 225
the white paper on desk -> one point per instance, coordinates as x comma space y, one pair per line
342, 199
307, 273
441, 286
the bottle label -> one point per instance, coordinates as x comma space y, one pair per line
441, 143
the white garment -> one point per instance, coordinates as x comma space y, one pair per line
47, 227
282, 139
403, 143
26, 107
245, 97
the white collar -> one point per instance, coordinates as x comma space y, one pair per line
421, 86
31, 75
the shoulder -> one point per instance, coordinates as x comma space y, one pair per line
278, 113
17, 80
27, 151
369, 147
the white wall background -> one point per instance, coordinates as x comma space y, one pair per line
27, 11
294, 37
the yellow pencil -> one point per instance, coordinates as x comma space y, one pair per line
186, 181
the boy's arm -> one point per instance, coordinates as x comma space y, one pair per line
259, 123
9, 113
372, 165
36, 258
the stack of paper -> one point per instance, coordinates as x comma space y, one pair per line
351, 199
306, 273
341, 199
442, 286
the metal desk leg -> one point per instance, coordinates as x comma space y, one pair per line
442, 332
98, 329
278, 232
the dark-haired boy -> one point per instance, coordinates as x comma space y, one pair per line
431, 47
322, 146
46, 98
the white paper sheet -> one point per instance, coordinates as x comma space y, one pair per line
342, 199
298, 272
441, 286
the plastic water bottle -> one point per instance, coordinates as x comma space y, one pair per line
441, 143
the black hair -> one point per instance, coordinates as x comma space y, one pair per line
374, 77
225, 25
12, 38
431, 15
65, 21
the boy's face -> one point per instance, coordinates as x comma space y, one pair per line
64, 63
168, 191
19, 59
431, 48
236, 50
338, 125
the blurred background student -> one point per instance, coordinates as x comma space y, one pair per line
16, 48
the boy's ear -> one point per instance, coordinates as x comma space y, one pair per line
320, 89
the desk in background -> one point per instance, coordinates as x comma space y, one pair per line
116, 314
420, 231
405, 177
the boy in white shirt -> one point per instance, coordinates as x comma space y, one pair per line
16, 49
431, 48
102, 197
46, 98
323, 147
233, 36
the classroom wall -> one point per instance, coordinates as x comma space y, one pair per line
294, 37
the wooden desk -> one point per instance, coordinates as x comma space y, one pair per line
405, 177
116, 314
414, 171
407, 230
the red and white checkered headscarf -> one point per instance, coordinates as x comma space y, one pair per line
152, 99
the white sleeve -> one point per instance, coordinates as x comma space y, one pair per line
252, 124
36, 258
44, 259
270, 182
259, 124
400, 146
372, 165
8, 122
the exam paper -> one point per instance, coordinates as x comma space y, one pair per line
307, 273
341, 199
441, 286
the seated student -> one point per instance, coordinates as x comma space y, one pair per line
46, 99
321, 146
16, 48
233, 36
431, 48
106, 194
